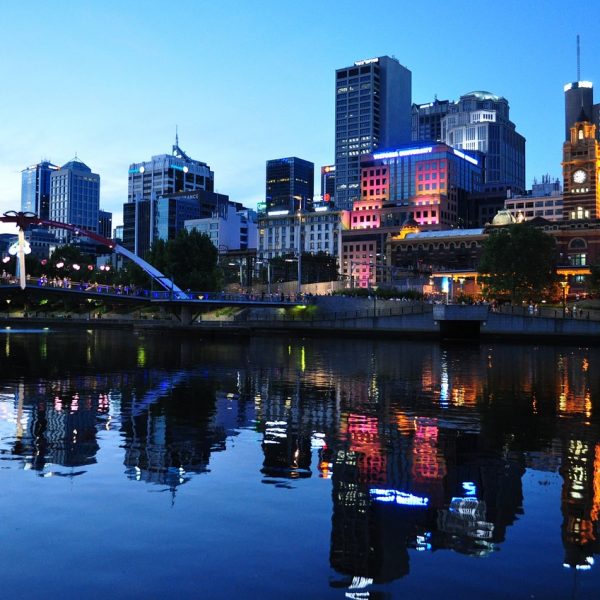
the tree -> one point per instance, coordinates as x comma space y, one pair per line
593, 280
190, 260
518, 260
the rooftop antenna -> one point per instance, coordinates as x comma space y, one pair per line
578, 60
177, 134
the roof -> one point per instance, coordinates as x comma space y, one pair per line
425, 235
76, 164
483, 95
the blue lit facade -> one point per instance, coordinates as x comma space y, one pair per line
75, 197
35, 189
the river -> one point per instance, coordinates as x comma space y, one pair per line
158, 465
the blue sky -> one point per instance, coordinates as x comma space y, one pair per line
249, 81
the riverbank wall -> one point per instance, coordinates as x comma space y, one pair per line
350, 316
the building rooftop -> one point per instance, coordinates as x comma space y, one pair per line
483, 95
425, 235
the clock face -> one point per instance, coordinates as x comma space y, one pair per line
579, 176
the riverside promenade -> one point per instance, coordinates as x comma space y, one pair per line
334, 315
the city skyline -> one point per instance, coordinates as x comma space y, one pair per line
113, 93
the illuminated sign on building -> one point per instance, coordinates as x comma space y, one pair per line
368, 61
278, 213
466, 157
400, 153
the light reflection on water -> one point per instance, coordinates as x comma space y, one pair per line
352, 468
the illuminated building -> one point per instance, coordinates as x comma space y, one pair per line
372, 111
480, 121
579, 96
162, 176
544, 200
581, 170
328, 183
290, 185
320, 231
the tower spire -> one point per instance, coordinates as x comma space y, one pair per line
177, 133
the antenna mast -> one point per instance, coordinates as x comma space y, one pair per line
578, 60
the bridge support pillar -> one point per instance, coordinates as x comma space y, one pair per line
185, 315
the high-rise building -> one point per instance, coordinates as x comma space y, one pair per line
105, 223
75, 197
328, 183
290, 185
581, 165
579, 95
480, 122
35, 189
427, 120
148, 181
372, 110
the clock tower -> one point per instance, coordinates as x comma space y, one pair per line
581, 170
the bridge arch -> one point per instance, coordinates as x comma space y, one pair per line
24, 220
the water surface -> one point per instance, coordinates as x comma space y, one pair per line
147, 466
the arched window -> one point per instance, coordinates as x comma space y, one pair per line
580, 134
577, 243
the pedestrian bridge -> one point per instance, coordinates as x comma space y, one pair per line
134, 295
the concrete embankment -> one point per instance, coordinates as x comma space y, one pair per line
357, 317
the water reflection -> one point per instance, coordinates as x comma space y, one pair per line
425, 446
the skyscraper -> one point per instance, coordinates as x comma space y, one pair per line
35, 188
75, 196
372, 111
290, 185
427, 120
480, 122
328, 183
148, 181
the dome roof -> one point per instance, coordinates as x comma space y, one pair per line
483, 95
503, 217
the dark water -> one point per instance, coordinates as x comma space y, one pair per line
153, 466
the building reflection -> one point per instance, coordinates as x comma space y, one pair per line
425, 445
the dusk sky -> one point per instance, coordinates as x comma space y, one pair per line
248, 81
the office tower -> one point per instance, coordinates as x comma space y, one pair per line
162, 175
105, 223
579, 95
290, 185
372, 111
581, 165
74, 197
480, 122
328, 183
427, 120
35, 189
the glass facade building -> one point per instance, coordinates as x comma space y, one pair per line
35, 189
75, 197
372, 111
147, 182
290, 184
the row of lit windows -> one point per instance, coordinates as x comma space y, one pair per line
430, 187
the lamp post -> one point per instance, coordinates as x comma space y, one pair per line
300, 250
564, 284
461, 280
8, 301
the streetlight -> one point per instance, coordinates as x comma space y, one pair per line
8, 301
461, 280
565, 285
300, 249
